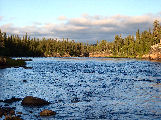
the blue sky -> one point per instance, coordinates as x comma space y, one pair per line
20, 14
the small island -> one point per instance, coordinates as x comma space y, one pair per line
9, 62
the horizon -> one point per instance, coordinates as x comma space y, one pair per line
81, 21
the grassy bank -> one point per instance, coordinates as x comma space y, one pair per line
9, 62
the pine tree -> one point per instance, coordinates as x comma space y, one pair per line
1, 40
156, 32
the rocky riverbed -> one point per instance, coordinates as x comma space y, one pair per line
82, 88
8, 113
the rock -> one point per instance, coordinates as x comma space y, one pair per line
6, 105
12, 112
1, 113
146, 56
19, 116
24, 80
99, 54
34, 101
25, 59
30, 111
155, 53
6, 111
13, 118
13, 99
27, 67
19, 113
47, 113
75, 100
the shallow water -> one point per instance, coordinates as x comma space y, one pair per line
86, 88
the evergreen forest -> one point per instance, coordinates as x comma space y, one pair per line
131, 46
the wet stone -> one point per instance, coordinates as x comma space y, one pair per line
75, 100
47, 113
6, 111
34, 101
19, 112
13, 99
24, 80
30, 111
13, 118
6, 105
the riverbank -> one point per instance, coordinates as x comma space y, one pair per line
6, 62
155, 53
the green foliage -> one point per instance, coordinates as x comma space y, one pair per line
12, 62
8, 62
131, 47
14, 46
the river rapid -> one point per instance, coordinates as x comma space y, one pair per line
86, 88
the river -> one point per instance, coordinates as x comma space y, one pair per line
86, 88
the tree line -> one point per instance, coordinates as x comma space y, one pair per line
133, 46
130, 46
13, 45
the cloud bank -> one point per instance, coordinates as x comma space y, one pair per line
86, 28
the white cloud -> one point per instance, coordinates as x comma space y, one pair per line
87, 28
62, 18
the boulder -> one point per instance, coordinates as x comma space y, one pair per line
13, 99
6, 111
25, 81
12, 118
47, 113
154, 56
34, 101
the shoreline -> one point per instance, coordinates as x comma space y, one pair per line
137, 58
7, 62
